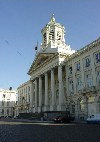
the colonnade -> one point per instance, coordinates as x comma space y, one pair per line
38, 92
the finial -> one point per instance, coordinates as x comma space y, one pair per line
52, 18
52, 15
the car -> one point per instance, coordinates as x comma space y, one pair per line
62, 119
93, 119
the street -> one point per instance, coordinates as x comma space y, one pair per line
48, 132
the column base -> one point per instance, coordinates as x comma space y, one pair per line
61, 108
35, 109
53, 108
39, 109
46, 108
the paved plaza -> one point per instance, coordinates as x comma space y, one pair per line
48, 132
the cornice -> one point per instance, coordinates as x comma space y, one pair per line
22, 85
85, 49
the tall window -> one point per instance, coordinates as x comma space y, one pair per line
89, 80
78, 85
44, 36
58, 36
73, 107
98, 77
71, 86
7, 103
4, 95
97, 55
2, 103
28, 88
7, 111
70, 70
78, 67
87, 62
51, 35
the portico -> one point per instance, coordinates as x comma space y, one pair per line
48, 102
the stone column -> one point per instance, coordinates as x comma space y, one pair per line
67, 90
66, 69
40, 94
31, 97
46, 91
61, 92
52, 90
36, 95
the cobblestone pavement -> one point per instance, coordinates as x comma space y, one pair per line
48, 132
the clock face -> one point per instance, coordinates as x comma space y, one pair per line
58, 36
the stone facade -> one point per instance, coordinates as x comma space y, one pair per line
83, 79
25, 98
62, 79
8, 99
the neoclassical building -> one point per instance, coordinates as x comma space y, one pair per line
8, 99
62, 79
25, 99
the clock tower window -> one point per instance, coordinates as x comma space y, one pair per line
58, 36
44, 36
51, 35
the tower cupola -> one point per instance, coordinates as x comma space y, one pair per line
53, 32
53, 39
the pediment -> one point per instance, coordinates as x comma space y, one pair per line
39, 59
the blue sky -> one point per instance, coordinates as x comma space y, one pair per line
21, 22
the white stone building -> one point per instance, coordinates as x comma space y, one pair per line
62, 79
25, 98
8, 99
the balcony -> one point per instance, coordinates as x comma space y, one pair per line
91, 89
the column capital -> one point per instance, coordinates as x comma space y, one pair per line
52, 69
45, 73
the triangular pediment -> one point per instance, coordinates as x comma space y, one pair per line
39, 59
42, 57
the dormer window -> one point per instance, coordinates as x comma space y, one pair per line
51, 35
97, 55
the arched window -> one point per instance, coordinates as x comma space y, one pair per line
51, 35
58, 36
